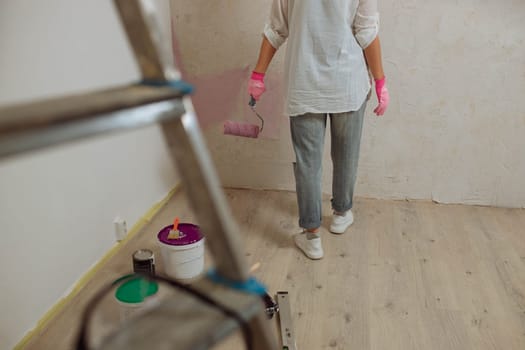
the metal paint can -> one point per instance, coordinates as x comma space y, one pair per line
144, 262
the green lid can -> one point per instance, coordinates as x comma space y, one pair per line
136, 290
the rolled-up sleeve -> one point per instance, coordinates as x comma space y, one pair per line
276, 29
366, 22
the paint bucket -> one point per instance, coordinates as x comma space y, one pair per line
182, 257
144, 262
136, 295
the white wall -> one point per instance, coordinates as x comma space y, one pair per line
454, 130
57, 206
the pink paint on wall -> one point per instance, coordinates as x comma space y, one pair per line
217, 97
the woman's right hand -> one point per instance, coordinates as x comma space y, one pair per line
256, 85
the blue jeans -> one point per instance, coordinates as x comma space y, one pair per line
308, 132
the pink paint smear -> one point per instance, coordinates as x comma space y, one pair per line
217, 97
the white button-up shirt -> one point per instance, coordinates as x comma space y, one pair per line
325, 69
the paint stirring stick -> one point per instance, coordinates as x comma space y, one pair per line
255, 267
174, 232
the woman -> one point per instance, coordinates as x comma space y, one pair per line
332, 46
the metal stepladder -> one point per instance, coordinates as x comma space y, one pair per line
159, 98
155, 57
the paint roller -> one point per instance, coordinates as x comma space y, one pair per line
244, 129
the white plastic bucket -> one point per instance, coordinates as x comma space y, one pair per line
182, 260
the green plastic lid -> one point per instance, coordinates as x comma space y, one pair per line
136, 290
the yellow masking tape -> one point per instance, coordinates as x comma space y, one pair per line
82, 282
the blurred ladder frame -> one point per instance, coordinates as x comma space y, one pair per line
156, 99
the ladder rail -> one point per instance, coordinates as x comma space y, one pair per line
209, 204
37, 125
191, 157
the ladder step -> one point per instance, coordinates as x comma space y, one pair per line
183, 322
44, 123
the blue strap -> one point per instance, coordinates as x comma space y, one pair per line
251, 286
182, 86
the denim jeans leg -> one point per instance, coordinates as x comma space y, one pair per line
308, 132
346, 129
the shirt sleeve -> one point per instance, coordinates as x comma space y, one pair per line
276, 29
366, 22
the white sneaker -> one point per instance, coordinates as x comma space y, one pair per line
341, 222
312, 248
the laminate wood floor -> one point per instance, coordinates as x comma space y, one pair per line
406, 275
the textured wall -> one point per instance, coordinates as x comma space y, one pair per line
455, 128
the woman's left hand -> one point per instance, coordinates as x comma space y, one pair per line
383, 97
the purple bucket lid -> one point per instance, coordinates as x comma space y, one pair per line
189, 234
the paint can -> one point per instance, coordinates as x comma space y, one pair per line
144, 262
182, 257
135, 295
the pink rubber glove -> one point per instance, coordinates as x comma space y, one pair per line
382, 96
256, 85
